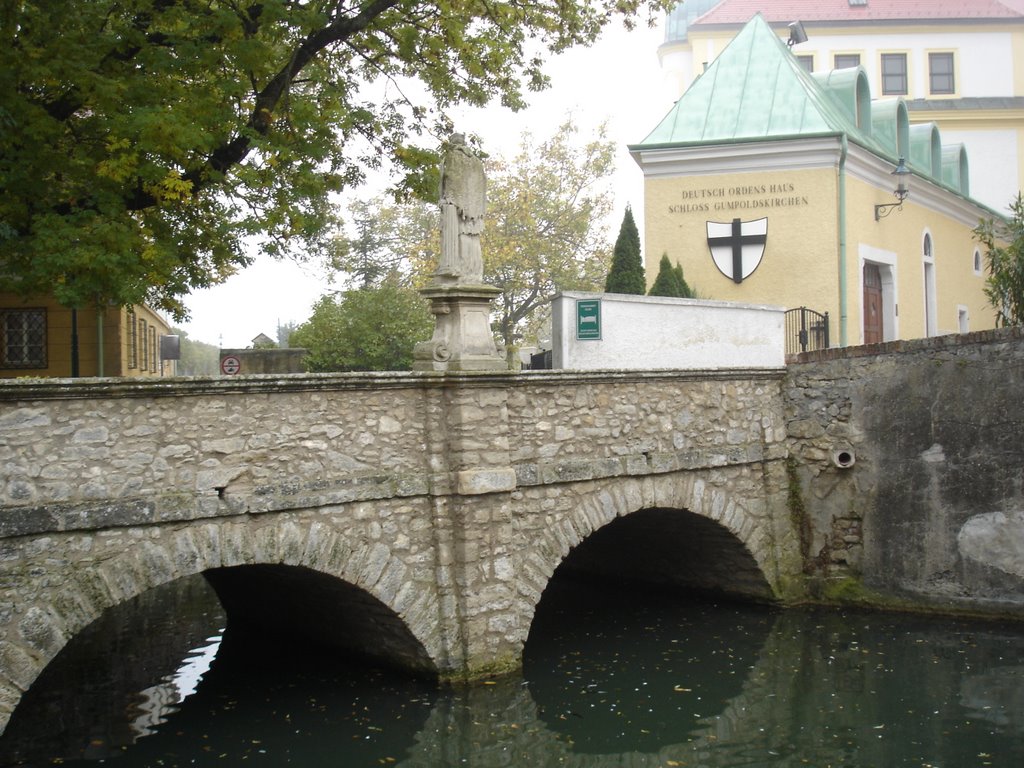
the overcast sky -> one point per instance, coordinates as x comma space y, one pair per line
618, 80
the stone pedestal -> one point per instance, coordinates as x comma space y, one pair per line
462, 339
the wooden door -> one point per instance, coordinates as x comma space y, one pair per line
873, 326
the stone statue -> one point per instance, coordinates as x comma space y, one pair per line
459, 299
462, 214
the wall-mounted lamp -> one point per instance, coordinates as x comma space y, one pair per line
796, 34
902, 174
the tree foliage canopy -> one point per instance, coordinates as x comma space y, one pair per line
545, 227
1004, 286
142, 141
371, 328
670, 280
627, 271
543, 231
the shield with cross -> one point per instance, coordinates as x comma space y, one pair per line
737, 246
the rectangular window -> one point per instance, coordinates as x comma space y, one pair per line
940, 73
807, 62
894, 74
152, 348
845, 60
144, 345
23, 334
133, 339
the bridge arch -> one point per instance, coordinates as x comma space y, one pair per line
673, 511
358, 571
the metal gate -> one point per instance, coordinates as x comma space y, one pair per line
806, 330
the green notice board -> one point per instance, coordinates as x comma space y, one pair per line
588, 319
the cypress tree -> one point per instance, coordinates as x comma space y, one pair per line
686, 291
667, 281
670, 280
627, 271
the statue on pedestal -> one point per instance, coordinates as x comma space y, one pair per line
462, 200
459, 299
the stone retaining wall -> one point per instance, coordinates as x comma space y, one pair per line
908, 467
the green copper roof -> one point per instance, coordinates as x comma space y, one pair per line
756, 89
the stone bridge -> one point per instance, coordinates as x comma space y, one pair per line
419, 517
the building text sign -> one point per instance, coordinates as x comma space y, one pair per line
740, 197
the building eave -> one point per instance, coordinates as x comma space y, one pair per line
804, 153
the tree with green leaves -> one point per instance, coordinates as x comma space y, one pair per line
197, 358
627, 271
543, 229
386, 238
146, 144
1004, 258
670, 280
370, 328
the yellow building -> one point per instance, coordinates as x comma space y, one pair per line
773, 185
39, 337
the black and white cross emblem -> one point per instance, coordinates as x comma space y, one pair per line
737, 247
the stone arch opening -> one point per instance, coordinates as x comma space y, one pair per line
304, 555
297, 605
668, 548
630, 602
161, 662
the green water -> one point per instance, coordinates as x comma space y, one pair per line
609, 679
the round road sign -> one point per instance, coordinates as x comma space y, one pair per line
230, 365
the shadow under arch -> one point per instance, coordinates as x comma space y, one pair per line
297, 605
143, 680
652, 568
65, 606
676, 529
674, 548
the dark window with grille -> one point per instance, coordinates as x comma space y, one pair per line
845, 60
143, 344
894, 74
24, 338
940, 73
152, 349
133, 339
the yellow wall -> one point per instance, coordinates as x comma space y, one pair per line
799, 266
902, 233
801, 262
59, 325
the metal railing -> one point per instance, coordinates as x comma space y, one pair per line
806, 330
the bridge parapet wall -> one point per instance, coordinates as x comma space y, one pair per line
575, 426
107, 453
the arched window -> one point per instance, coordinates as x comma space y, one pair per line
928, 257
977, 261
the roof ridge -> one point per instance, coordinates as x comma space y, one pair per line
722, 103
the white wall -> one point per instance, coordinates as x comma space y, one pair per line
984, 61
993, 159
657, 332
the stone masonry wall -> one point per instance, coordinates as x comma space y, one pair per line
449, 499
908, 467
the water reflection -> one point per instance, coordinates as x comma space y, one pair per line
607, 669
609, 680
